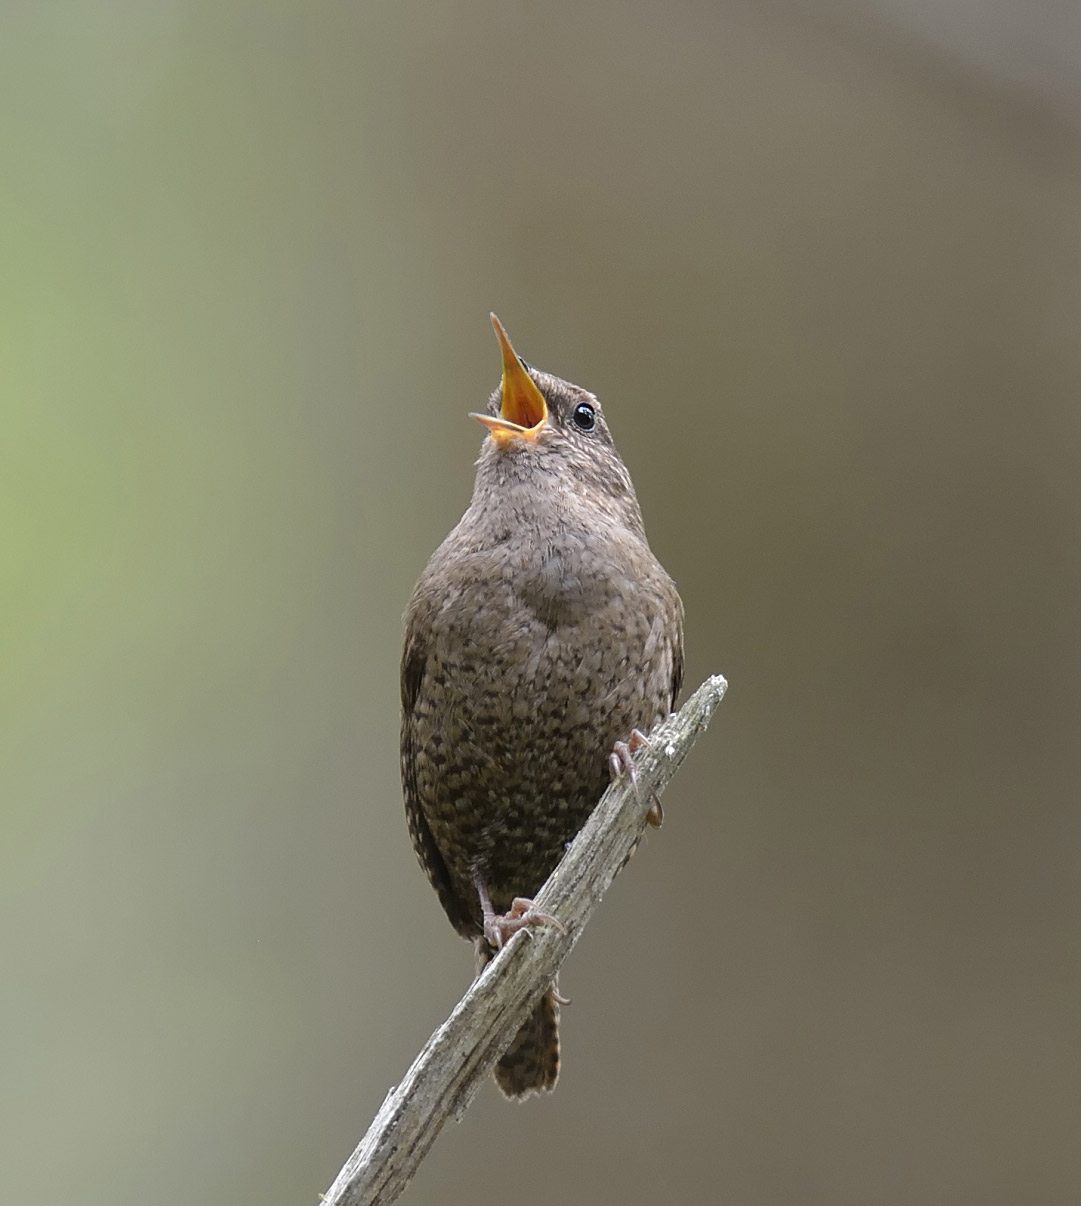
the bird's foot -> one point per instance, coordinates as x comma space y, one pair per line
621, 761
499, 927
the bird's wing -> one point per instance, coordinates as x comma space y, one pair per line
677, 653
414, 666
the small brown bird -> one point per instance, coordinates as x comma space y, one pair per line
542, 636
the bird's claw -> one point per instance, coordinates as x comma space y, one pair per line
554, 990
621, 762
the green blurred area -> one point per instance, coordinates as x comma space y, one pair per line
828, 285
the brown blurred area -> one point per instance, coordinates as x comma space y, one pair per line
824, 270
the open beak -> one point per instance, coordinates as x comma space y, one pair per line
524, 411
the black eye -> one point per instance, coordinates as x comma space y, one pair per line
585, 418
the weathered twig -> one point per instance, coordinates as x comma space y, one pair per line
446, 1074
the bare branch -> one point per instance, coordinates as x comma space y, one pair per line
446, 1074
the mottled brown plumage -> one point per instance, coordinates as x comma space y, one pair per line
542, 632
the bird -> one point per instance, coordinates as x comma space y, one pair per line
543, 641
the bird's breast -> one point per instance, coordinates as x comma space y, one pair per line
565, 582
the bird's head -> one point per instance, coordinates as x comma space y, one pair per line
539, 424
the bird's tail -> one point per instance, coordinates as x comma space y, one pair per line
531, 1063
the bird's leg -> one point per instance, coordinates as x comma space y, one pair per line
620, 761
498, 927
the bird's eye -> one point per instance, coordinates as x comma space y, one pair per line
585, 418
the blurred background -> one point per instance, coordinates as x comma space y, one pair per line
822, 263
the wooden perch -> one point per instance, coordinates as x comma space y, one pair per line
446, 1074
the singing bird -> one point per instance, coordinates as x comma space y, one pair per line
542, 636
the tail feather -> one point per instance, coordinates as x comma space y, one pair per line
531, 1063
